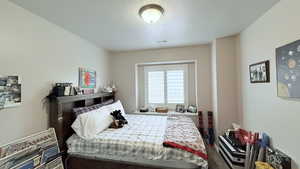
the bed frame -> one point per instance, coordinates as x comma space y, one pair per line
61, 119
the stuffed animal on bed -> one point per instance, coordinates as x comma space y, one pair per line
119, 119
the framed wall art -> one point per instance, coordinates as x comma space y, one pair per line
180, 108
10, 91
260, 72
87, 78
192, 109
288, 70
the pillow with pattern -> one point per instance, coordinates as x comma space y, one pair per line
81, 110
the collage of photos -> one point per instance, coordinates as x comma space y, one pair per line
10, 91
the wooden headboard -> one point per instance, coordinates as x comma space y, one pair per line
62, 116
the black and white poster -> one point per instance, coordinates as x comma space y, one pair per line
260, 72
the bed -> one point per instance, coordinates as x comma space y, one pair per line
147, 142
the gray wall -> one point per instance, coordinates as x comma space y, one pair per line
262, 109
225, 104
41, 54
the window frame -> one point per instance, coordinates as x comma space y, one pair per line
166, 68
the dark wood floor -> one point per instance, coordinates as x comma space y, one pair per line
215, 161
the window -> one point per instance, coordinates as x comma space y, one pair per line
175, 90
166, 85
156, 87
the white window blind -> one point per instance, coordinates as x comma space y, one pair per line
156, 87
166, 85
175, 89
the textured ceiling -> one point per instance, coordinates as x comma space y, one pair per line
115, 24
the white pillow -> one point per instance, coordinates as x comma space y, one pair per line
88, 125
116, 106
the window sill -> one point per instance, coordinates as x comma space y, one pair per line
165, 114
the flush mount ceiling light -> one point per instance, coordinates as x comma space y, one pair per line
151, 13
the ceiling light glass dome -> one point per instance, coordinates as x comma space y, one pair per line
151, 13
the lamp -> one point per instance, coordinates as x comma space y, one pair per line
151, 13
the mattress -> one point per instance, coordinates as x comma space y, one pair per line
140, 140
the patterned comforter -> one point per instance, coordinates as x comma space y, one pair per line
182, 127
143, 137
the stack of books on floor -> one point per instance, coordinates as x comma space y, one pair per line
38, 151
232, 153
243, 149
